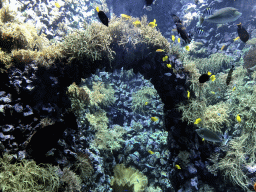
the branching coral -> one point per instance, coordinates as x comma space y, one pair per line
141, 96
215, 116
69, 181
26, 176
84, 167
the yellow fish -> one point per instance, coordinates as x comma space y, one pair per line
152, 24
187, 48
236, 38
57, 5
234, 89
212, 92
203, 139
137, 23
238, 118
178, 40
126, 17
209, 73
159, 50
177, 166
146, 103
169, 66
223, 46
197, 121
213, 78
154, 119
173, 38
151, 152
97, 9
188, 95
165, 58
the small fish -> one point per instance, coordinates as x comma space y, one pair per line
177, 166
242, 33
176, 19
213, 78
168, 74
169, 66
102, 16
152, 24
212, 92
223, 46
182, 32
146, 103
203, 139
188, 94
208, 11
159, 50
165, 58
187, 48
229, 77
57, 5
204, 77
126, 17
238, 118
236, 38
178, 40
154, 119
200, 31
137, 23
208, 135
234, 88
173, 38
151, 152
197, 121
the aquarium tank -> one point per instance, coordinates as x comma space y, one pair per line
128, 96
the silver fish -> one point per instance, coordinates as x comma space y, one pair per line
208, 135
224, 15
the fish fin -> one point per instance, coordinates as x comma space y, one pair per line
201, 20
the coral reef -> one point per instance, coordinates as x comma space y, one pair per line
128, 179
27, 176
69, 181
250, 60
140, 97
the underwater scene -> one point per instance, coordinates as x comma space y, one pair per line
127, 95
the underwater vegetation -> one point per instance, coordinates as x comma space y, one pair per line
100, 43
141, 98
26, 176
20, 43
128, 179
227, 104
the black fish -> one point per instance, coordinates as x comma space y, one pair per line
203, 78
103, 17
176, 19
242, 33
149, 2
182, 31
229, 75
